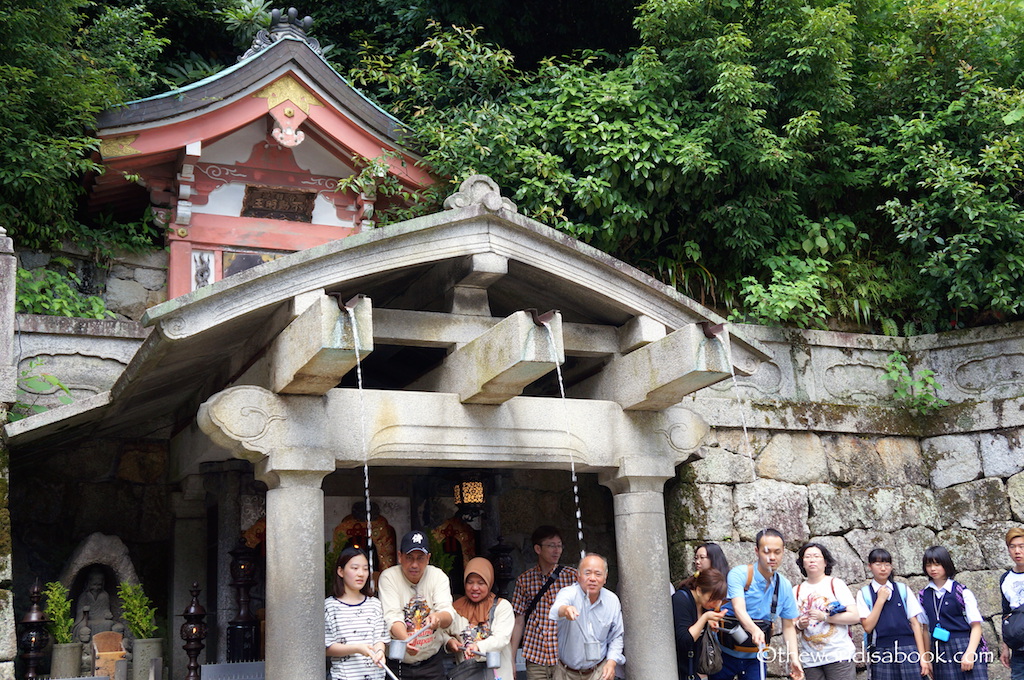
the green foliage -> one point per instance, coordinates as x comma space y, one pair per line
808, 163
58, 612
438, 557
916, 390
31, 384
245, 18
137, 610
394, 201
45, 291
123, 43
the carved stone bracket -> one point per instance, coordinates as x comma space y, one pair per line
479, 190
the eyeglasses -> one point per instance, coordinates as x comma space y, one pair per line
553, 546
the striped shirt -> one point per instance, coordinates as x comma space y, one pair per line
349, 624
540, 635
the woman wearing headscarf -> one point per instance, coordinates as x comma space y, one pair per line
483, 621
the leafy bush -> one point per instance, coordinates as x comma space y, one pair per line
917, 390
45, 291
32, 382
137, 610
58, 611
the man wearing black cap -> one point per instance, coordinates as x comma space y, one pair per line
416, 596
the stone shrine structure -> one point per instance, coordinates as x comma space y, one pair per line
232, 411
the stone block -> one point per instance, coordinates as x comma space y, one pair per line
28, 259
974, 504
739, 552
7, 670
796, 458
715, 513
849, 566
151, 279
833, 510
1015, 494
8, 634
954, 459
905, 545
749, 444
901, 461
985, 586
998, 457
964, 547
126, 297
992, 543
770, 503
891, 509
120, 271
852, 460
156, 297
722, 466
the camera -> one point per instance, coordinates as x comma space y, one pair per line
835, 608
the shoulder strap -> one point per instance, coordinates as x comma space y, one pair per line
832, 582
490, 615
1002, 596
775, 596
540, 593
797, 593
750, 577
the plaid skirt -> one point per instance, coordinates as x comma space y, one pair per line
899, 661
946, 662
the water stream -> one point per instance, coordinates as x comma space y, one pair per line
568, 440
727, 344
362, 433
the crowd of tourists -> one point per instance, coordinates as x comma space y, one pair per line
569, 626
724, 618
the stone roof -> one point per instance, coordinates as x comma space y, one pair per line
208, 339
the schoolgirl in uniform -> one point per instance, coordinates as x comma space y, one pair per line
889, 614
954, 621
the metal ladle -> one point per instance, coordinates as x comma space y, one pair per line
492, 659
396, 648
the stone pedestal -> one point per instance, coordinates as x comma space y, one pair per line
8, 281
644, 579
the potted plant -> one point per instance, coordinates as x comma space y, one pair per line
139, 616
67, 653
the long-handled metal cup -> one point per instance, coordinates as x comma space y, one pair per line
396, 648
492, 659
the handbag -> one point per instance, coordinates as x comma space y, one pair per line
1013, 629
709, 658
472, 669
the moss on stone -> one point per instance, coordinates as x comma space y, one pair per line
683, 508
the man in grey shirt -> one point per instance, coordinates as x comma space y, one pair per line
589, 625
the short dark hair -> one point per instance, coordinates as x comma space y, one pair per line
879, 555
829, 560
710, 581
338, 589
544, 532
768, 532
937, 554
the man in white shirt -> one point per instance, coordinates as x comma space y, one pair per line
1011, 587
417, 596
589, 625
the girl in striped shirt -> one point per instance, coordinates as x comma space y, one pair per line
354, 628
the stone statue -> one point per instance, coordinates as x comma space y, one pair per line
94, 613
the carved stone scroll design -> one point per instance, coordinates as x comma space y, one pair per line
983, 375
174, 328
479, 190
242, 415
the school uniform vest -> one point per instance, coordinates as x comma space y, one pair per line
945, 610
892, 623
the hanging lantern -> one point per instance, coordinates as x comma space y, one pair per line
469, 495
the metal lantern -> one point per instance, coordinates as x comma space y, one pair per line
32, 635
193, 632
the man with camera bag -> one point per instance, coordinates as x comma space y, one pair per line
758, 593
1011, 587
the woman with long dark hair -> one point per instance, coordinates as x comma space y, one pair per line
354, 629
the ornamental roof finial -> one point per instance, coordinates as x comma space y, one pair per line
283, 25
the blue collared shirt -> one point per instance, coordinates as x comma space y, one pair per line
601, 620
758, 598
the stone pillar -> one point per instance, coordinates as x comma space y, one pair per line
295, 570
8, 280
644, 579
189, 508
8, 388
